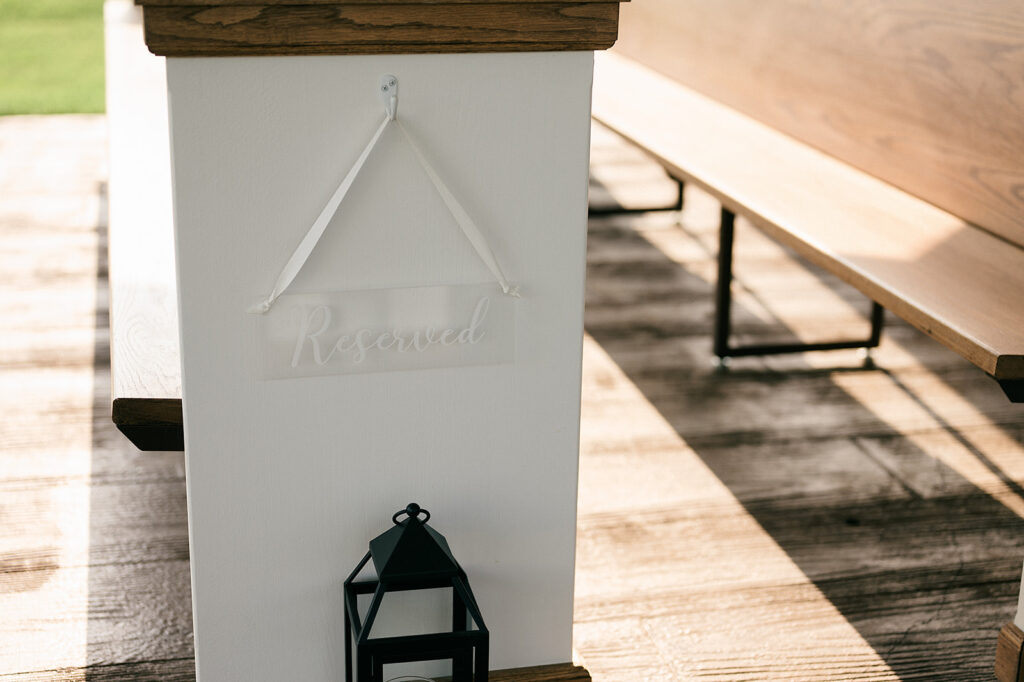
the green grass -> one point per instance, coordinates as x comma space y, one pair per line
51, 56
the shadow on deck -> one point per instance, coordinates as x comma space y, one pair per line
895, 491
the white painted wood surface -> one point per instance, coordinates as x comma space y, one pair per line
145, 363
288, 480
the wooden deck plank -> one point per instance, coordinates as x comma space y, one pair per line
795, 518
93, 539
129, 524
173, 670
789, 520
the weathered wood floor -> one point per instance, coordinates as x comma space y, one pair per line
93, 534
794, 518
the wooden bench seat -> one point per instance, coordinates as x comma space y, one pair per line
145, 364
958, 283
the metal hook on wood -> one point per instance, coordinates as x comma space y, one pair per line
389, 95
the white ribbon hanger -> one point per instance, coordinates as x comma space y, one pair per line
389, 95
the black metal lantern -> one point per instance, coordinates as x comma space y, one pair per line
413, 556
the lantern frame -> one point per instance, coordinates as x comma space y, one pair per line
466, 648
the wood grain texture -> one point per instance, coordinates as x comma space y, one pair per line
795, 518
559, 672
183, 670
93, 548
171, 670
961, 285
1009, 649
231, 3
94, 557
146, 365
379, 28
816, 504
564, 672
925, 94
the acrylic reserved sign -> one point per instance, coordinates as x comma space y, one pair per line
384, 330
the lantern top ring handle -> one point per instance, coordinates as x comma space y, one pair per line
412, 510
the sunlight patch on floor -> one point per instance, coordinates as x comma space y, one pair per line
48, 314
636, 472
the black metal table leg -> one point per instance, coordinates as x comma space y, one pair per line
723, 287
621, 210
723, 310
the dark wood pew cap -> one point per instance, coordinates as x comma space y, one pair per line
220, 28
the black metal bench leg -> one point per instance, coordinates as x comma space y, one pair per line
877, 323
680, 189
723, 286
723, 310
620, 210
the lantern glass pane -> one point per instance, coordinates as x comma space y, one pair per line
411, 612
411, 672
